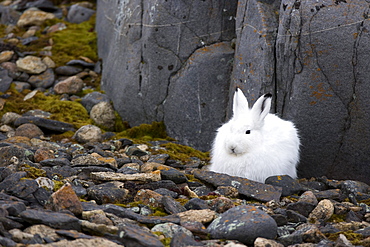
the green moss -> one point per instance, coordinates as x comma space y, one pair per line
57, 185
337, 218
156, 130
354, 238
65, 111
74, 41
33, 172
183, 153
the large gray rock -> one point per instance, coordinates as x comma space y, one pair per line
316, 67
144, 44
323, 84
197, 94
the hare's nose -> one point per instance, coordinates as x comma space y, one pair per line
232, 150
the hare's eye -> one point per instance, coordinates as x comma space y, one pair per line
248, 132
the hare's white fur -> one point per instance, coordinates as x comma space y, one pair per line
255, 144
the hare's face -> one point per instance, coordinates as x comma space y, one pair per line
242, 139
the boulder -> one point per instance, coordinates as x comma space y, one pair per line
153, 41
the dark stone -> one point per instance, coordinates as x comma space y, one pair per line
44, 80
167, 184
131, 235
14, 208
243, 223
4, 172
290, 186
52, 219
174, 175
9, 15
134, 151
302, 207
159, 158
166, 192
73, 234
46, 124
280, 219
128, 213
7, 242
110, 192
364, 232
353, 216
181, 239
246, 187
78, 14
55, 162
307, 233
93, 98
327, 194
67, 70
15, 186
82, 63
171, 206
211, 66
42, 195
5, 81
181, 30
196, 204
295, 217
29, 40
44, 5
9, 223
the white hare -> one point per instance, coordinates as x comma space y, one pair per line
255, 144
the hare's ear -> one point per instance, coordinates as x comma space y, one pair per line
240, 103
262, 107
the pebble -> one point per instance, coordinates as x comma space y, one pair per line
71, 85
31, 64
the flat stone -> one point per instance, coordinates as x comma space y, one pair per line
5, 56
28, 130
246, 187
34, 17
31, 65
67, 70
290, 186
71, 85
88, 133
91, 99
110, 192
111, 176
65, 199
5, 80
243, 223
52, 219
78, 14
44, 80
48, 124
203, 216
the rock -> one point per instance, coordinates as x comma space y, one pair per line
20, 86
221, 204
16, 186
9, 118
31, 64
98, 229
109, 176
182, 239
43, 231
91, 99
29, 130
290, 186
77, 62
323, 211
249, 188
49, 62
78, 14
47, 124
308, 197
43, 153
5, 56
263, 242
52, 219
65, 199
80, 243
71, 85
5, 81
45, 182
9, 16
103, 114
307, 233
304, 208
211, 66
110, 192
243, 223
67, 70
44, 80
150, 198
171, 206
13, 208
97, 217
196, 204
203, 216
12, 155
202, 29
34, 17
170, 229
88, 133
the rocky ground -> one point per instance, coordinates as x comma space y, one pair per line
72, 174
